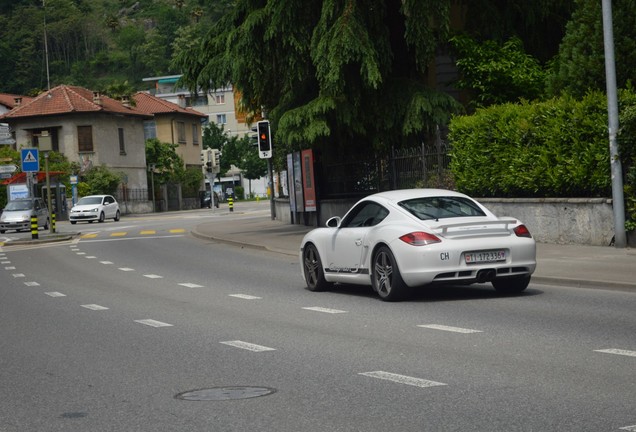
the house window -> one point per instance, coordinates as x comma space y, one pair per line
181, 134
219, 99
85, 138
150, 129
221, 119
122, 144
195, 134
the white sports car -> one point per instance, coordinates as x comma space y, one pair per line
403, 239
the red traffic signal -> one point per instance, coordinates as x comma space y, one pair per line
264, 139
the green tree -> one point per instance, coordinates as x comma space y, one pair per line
243, 155
168, 165
579, 66
340, 74
497, 73
101, 180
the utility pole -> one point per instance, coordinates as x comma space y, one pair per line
618, 203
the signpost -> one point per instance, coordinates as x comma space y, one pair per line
7, 169
5, 134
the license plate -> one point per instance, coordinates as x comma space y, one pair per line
484, 256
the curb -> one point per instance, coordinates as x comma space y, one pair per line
42, 240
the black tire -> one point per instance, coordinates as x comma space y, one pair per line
2, 231
101, 217
73, 222
385, 276
511, 285
312, 268
117, 216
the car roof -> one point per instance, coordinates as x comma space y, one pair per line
405, 194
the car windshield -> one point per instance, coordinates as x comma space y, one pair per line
89, 200
441, 207
18, 205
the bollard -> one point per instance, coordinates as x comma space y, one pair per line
34, 228
53, 223
230, 203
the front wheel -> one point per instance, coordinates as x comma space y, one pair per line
511, 285
385, 276
117, 216
312, 268
73, 222
101, 217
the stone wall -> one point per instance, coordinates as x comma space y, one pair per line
550, 220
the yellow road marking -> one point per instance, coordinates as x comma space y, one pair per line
89, 236
146, 232
118, 234
174, 231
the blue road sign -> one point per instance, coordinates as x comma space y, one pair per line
30, 159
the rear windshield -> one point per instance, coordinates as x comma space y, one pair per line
19, 205
441, 207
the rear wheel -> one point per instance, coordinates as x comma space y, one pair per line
312, 267
511, 285
385, 276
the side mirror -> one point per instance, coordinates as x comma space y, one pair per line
333, 222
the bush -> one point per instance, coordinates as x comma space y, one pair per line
557, 148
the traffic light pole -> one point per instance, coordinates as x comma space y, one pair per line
272, 203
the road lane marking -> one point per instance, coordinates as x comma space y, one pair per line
5, 262
55, 294
629, 428
448, 328
94, 307
618, 351
88, 236
18, 275
126, 269
190, 285
324, 310
402, 379
245, 296
90, 257
106, 262
118, 234
147, 232
176, 231
32, 284
248, 346
80, 253
10, 268
153, 276
153, 323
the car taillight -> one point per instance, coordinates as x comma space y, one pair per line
522, 231
419, 238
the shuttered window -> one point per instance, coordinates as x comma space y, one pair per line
85, 138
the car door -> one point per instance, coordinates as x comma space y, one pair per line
109, 208
347, 246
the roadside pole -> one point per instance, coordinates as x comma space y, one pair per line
618, 203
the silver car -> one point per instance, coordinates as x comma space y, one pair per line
95, 208
17, 214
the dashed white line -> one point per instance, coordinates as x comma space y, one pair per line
127, 269
81, 253
618, 351
324, 310
94, 307
248, 346
402, 379
10, 268
245, 296
55, 294
90, 257
18, 275
191, 285
5, 262
106, 262
448, 328
32, 284
153, 276
153, 323
629, 428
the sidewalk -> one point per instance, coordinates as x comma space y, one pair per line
568, 265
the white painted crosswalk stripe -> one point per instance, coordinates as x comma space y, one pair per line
153, 276
94, 307
153, 323
55, 294
402, 379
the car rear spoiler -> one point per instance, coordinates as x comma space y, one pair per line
505, 221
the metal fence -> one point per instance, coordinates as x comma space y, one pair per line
424, 166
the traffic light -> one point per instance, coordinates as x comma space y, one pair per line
206, 159
216, 158
264, 139
254, 136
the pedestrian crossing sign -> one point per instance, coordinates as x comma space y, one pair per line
30, 159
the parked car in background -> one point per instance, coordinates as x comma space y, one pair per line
402, 239
17, 214
95, 208
206, 200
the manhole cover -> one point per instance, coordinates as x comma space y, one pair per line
225, 393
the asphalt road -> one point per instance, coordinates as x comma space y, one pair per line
104, 333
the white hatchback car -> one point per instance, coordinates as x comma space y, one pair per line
95, 208
402, 239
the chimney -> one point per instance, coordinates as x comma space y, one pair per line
97, 98
17, 101
125, 101
182, 101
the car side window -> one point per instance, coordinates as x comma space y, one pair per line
365, 214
